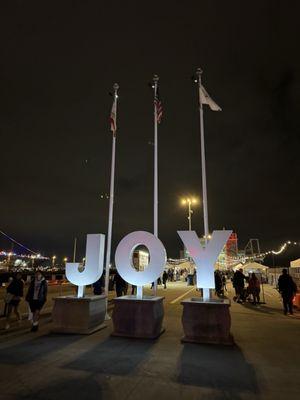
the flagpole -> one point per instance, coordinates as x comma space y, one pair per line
206, 293
155, 214
74, 249
111, 205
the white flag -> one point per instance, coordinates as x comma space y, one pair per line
206, 99
113, 117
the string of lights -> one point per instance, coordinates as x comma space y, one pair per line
9, 254
18, 243
282, 248
28, 256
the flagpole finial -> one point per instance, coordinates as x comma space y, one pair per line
199, 71
155, 78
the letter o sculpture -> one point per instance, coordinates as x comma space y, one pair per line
123, 258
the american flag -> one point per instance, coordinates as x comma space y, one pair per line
113, 118
159, 108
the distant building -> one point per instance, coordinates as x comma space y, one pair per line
140, 259
228, 256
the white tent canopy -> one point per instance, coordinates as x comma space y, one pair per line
295, 263
252, 267
238, 266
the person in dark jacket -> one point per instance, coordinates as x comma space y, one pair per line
287, 288
238, 282
254, 288
121, 285
14, 293
37, 297
133, 290
164, 279
224, 281
99, 286
218, 283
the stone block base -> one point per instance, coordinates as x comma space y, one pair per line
138, 318
78, 315
206, 322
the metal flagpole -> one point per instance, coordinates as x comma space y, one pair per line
111, 204
190, 215
155, 222
206, 293
74, 250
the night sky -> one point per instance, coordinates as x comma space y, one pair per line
59, 61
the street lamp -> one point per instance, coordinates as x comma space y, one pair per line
189, 201
53, 261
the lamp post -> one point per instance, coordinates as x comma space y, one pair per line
53, 261
275, 274
189, 201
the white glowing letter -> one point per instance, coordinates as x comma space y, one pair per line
123, 258
93, 264
205, 257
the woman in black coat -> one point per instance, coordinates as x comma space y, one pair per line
37, 297
14, 293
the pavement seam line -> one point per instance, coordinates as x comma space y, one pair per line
181, 296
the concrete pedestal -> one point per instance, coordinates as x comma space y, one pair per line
78, 315
138, 318
206, 322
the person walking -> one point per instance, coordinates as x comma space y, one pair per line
14, 294
224, 280
254, 288
99, 285
133, 290
170, 275
37, 297
121, 285
164, 279
238, 282
218, 283
7, 297
287, 288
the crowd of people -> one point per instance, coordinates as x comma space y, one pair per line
286, 287
169, 275
247, 288
251, 292
36, 297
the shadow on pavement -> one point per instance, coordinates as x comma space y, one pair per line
263, 309
75, 389
222, 368
115, 356
33, 349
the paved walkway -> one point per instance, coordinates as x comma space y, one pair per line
264, 363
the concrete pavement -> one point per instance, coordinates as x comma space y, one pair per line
263, 364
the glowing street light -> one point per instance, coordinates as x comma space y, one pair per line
189, 201
53, 261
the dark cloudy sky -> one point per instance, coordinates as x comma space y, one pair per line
59, 61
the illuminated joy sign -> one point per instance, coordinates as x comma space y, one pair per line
204, 258
93, 269
123, 259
